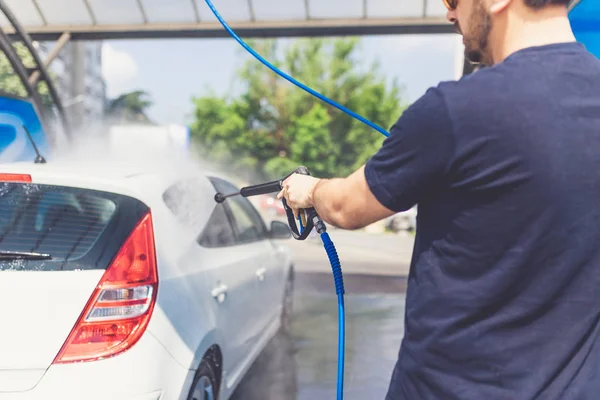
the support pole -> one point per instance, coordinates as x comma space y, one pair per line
22, 34
60, 44
17, 65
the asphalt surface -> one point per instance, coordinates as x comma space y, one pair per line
359, 253
303, 365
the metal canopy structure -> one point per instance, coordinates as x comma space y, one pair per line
31, 77
65, 20
120, 19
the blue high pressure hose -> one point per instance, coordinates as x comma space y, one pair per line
327, 243
339, 290
289, 78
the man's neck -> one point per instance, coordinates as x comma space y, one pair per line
523, 28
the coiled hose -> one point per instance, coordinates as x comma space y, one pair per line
338, 278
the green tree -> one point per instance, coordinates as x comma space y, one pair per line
273, 126
130, 107
11, 84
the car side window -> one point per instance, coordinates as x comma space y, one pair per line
249, 226
218, 231
248, 230
184, 200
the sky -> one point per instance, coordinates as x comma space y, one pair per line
173, 71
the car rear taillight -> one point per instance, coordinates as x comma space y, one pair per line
6, 177
119, 310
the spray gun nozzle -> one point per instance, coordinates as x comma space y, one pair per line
219, 198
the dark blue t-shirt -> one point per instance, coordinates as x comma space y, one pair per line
503, 298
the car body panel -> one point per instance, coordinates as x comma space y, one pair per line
146, 371
33, 332
187, 319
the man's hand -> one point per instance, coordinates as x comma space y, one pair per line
346, 203
298, 191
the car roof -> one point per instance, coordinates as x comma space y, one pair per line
115, 174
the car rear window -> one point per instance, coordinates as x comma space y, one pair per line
63, 222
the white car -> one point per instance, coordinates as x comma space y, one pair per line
403, 221
133, 284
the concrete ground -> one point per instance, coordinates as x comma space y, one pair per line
303, 365
359, 252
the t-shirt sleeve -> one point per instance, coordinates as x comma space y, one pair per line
413, 161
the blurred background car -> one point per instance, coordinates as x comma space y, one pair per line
271, 206
403, 222
135, 278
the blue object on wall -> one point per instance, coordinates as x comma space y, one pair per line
585, 22
14, 143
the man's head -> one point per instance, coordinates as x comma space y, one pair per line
480, 21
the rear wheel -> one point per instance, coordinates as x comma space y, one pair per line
204, 386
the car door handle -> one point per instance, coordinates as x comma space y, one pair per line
260, 274
219, 293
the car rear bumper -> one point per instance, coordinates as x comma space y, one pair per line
145, 372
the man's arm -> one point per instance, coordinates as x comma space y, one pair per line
411, 165
348, 203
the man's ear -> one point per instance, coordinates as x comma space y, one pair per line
498, 6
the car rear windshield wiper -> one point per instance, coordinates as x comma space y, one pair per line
23, 255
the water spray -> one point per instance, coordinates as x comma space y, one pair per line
308, 219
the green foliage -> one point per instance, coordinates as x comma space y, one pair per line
129, 107
11, 84
273, 126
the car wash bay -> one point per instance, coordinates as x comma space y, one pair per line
302, 366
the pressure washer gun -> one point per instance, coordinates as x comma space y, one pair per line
307, 218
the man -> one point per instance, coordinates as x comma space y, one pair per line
503, 298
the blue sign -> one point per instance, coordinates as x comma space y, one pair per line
585, 22
15, 114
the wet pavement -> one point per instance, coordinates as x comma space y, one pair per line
303, 366
359, 252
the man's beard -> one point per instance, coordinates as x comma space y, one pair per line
477, 42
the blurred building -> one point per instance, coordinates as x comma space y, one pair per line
78, 79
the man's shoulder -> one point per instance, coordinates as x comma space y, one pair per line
476, 84
477, 92
472, 96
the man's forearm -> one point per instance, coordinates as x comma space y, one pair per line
348, 203
329, 198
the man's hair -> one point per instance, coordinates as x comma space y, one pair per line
537, 4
